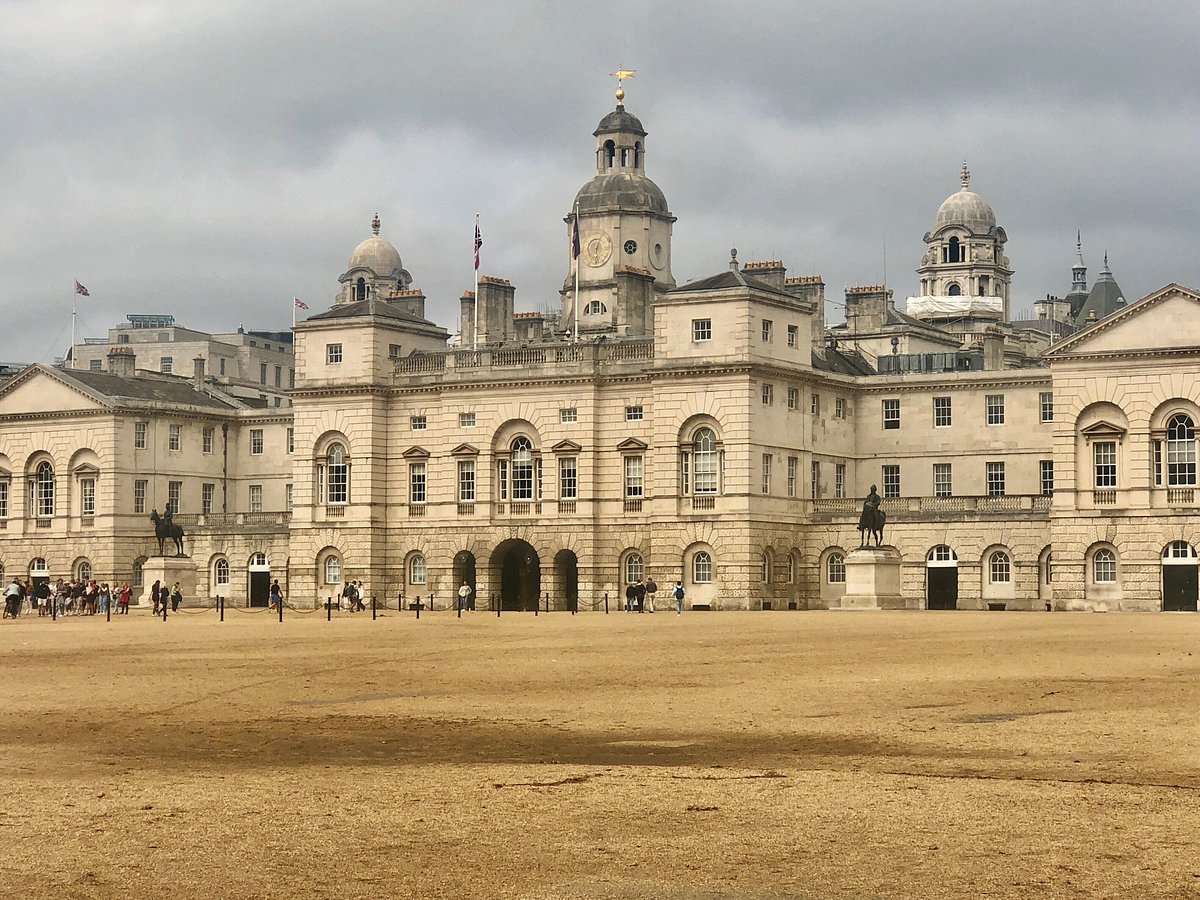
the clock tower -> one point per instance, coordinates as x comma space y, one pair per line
624, 232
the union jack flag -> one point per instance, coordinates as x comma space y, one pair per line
300, 304
478, 243
81, 290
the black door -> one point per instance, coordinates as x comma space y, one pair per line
260, 588
1179, 588
942, 589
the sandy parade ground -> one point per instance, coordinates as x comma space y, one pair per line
713, 755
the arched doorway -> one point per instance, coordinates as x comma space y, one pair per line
566, 576
1179, 577
258, 580
464, 570
517, 569
941, 578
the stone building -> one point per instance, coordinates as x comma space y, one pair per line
717, 432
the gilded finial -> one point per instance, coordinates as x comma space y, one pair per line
965, 176
375, 224
621, 75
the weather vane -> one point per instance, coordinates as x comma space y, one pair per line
621, 75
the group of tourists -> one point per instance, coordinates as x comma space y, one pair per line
161, 595
640, 595
78, 597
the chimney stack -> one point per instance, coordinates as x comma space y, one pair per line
198, 373
121, 362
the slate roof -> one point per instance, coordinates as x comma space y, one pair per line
379, 308
1105, 298
177, 391
727, 280
1047, 326
842, 362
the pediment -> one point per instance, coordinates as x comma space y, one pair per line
38, 390
465, 450
416, 453
566, 446
5, 474
1168, 319
632, 444
86, 470
1103, 430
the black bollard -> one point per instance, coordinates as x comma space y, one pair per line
108, 609
496, 604
431, 602
372, 607
164, 612
606, 603
547, 602
53, 609
418, 604
328, 609
460, 606
221, 606
281, 608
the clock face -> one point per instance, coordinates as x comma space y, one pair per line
631, 247
597, 248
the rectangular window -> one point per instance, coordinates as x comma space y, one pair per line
1158, 462
291, 439
333, 353
943, 484
175, 495
995, 409
793, 398
206, 498
815, 480
768, 329
941, 412
793, 464
175, 437
891, 481
633, 476
701, 329
206, 440
256, 498
891, 414
568, 478
466, 481
139, 435
793, 335
1104, 456
3, 499
416, 483
166, 364
766, 473
568, 414
256, 441
768, 394
633, 413
262, 373
839, 408
1047, 477
287, 493
393, 351
279, 376
466, 420
995, 479
87, 497
417, 423
221, 364
502, 479
1046, 403
139, 496
95, 365
839, 481
814, 404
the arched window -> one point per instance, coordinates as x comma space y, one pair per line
43, 490
702, 568
953, 251
704, 456
1104, 566
221, 572
635, 568
835, 568
1181, 451
637, 153
941, 553
84, 570
595, 308
258, 559
954, 290
764, 572
137, 571
360, 289
1179, 550
338, 475
610, 154
522, 469
416, 569
999, 568
333, 570
791, 572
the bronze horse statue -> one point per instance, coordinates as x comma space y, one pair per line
165, 529
872, 520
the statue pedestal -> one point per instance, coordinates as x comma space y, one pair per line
873, 579
168, 570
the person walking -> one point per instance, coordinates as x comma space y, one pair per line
360, 592
630, 593
276, 595
464, 596
154, 597
639, 595
651, 591
12, 599
164, 597
123, 598
176, 597
678, 593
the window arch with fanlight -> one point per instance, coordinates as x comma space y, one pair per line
702, 568
221, 572
1181, 451
635, 568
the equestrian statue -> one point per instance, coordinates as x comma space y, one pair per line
165, 529
871, 522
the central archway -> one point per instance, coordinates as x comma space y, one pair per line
566, 576
517, 569
464, 570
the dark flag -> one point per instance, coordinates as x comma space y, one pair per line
575, 236
478, 243
81, 290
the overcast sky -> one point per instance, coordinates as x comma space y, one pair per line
212, 159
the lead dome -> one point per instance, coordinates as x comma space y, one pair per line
376, 253
966, 209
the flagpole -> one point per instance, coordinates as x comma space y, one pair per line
74, 299
575, 336
475, 249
